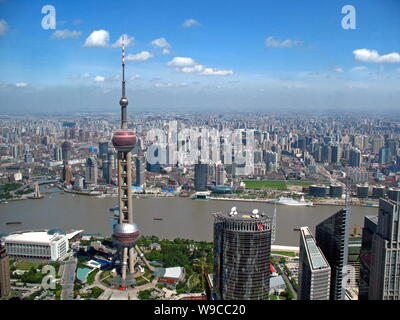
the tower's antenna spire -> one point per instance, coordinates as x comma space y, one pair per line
123, 66
124, 101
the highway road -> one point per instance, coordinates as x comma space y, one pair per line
68, 278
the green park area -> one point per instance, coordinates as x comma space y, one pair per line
275, 184
33, 270
196, 261
284, 253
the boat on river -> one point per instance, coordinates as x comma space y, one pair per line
291, 202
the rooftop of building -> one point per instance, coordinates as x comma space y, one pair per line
314, 254
233, 214
172, 273
40, 236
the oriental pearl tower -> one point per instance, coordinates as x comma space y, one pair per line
126, 232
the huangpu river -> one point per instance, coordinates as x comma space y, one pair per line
181, 217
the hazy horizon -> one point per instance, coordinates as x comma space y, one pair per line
201, 56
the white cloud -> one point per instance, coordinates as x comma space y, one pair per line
160, 43
134, 77
66, 33
181, 62
359, 68
271, 42
3, 27
162, 84
188, 65
79, 76
141, 56
163, 44
190, 23
21, 84
373, 56
99, 79
194, 69
216, 72
98, 38
338, 70
128, 41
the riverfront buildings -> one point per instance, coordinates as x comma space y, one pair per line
332, 237
91, 171
242, 248
314, 269
4, 273
49, 245
384, 281
200, 176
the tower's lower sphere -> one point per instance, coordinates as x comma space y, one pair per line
126, 234
124, 140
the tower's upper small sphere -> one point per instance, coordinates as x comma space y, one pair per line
124, 140
123, 102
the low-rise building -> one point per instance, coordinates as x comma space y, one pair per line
170, 276
50, 245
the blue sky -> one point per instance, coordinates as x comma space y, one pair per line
234, 55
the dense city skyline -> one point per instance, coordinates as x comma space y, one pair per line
203, 56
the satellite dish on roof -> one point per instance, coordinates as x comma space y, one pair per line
255, 211
233, 209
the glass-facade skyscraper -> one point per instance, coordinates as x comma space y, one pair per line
369, 229
242, 249
332, 237
200, 176
384, 281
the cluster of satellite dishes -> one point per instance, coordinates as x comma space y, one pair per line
233, 211
254, 213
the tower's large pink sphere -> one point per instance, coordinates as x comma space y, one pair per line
124, 140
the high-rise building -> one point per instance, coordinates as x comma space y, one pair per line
220, 174
336, 153
384, 155
314, 269
107, 171
200, 176
67, 173
332, 237
126, 232
66, 150
393, 146
355, 158
58, 153
91, 170
384, 281
377, 144
28, 158
271, 160
103, 150
369, 229
139, 164
5, 288
242, 248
